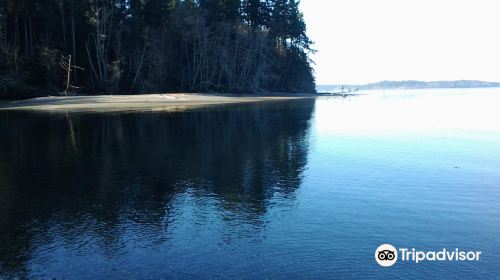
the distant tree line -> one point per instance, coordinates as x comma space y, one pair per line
409, 84
133, 46
412, 84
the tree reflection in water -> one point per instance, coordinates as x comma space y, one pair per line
103, 183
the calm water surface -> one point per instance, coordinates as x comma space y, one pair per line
280, 190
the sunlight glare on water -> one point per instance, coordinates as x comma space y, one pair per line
394, 111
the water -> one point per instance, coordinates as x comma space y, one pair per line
278, 190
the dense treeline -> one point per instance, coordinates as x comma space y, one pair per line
131, 46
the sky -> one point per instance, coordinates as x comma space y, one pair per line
362, 41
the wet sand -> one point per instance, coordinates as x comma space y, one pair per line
145, 102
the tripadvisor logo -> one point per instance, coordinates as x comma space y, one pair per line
387, 255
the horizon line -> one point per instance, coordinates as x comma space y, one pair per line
409, 80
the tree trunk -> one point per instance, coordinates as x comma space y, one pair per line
73, 39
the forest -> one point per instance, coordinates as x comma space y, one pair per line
144, 46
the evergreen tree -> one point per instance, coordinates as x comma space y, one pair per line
153, 45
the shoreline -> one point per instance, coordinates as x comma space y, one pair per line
144, 102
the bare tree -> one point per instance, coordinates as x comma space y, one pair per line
68, 67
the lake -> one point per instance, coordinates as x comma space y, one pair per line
277, 190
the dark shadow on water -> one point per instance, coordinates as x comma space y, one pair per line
67, 177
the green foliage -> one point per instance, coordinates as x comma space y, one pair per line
154, 45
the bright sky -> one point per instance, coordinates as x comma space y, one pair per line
361, 41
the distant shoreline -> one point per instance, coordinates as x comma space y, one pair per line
145, 102
411, 84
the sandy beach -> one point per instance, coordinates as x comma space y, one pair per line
145, 102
